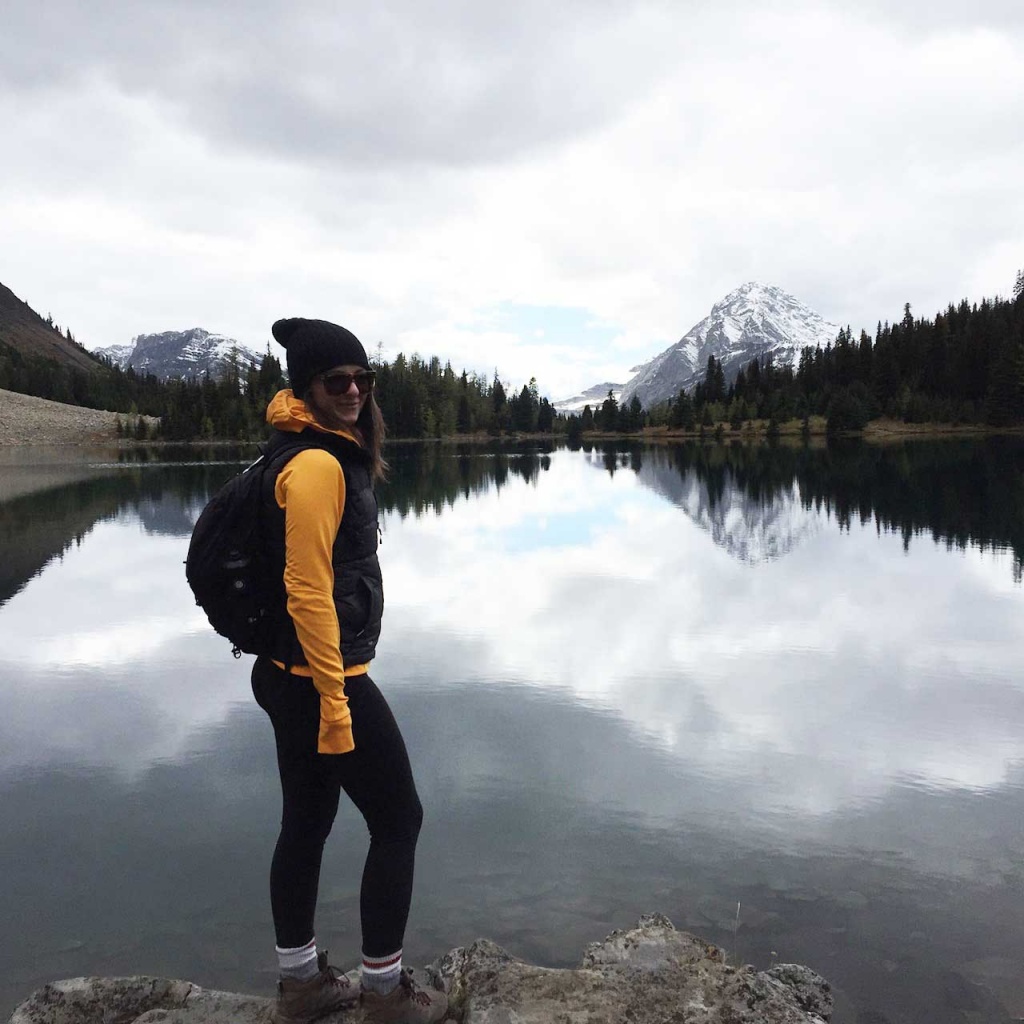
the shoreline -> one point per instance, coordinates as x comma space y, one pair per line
30, 422
27, 421
647, 974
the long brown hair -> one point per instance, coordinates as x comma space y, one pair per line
371, 425
369, 429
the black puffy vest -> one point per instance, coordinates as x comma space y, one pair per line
358, 588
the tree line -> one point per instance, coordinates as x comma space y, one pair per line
419, 398
964, 366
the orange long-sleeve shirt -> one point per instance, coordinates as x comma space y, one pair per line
311, 490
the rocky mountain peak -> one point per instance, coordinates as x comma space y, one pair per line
750, 322
174, 354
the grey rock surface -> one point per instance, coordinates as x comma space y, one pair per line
649, 974
138, 1000
27, 420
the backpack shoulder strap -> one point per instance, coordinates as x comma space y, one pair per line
282, 448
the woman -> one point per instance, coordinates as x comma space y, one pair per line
333, 728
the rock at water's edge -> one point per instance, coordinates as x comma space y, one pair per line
649, 974
138, 1000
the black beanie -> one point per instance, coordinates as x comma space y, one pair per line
314, 346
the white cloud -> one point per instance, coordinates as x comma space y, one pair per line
845, 653
403, 168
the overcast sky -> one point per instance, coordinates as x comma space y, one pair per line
550, 189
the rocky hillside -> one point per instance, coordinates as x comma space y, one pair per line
24, 330
27, 420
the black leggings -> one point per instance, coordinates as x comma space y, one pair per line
378, 780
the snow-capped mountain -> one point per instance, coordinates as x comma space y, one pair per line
119, 355
593, 397
174, 354
749, 322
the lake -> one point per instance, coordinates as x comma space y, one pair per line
773, 693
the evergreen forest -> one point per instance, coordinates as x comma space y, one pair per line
964, 366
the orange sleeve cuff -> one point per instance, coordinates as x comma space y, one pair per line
335, 738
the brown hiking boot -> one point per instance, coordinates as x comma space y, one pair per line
407, 1003
299, 1002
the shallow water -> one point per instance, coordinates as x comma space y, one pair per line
773, 694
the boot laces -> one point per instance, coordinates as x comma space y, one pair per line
413, 991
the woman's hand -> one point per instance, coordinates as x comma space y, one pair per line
335, 738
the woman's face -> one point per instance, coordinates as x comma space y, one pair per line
336, 412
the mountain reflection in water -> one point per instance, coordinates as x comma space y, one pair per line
631, 678
759, 501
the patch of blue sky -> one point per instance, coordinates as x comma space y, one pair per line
572, 326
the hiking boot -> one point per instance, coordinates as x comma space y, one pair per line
407, 1003
299, 1002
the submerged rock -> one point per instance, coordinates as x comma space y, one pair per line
650, 974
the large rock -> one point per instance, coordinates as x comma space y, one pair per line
650, 974
138, 1000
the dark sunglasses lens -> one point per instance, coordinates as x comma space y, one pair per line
339, 383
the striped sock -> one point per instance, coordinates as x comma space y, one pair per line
381, 973
298, 962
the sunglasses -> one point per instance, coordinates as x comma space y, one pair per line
338, 383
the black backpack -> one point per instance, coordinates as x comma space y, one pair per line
234, 571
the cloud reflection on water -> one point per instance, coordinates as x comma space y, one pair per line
816, 679
849, 654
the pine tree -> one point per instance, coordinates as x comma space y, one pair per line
609, 417
545, 416
1003, 402
714, 380
683, 414
464, 417
632, 416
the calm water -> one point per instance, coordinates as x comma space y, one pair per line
685, 680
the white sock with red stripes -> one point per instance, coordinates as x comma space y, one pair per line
381, 973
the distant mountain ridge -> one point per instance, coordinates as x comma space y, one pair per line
172, 355
593, 397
